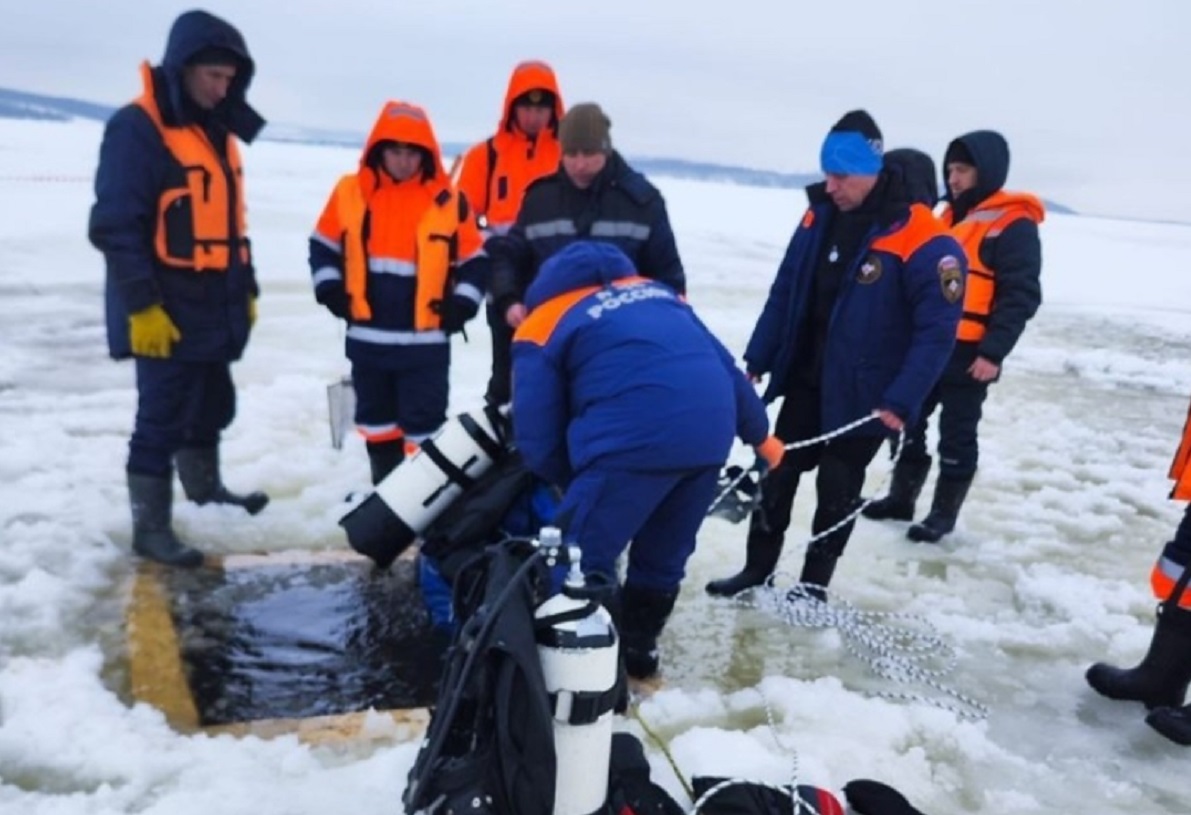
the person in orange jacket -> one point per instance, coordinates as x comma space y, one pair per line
494, 173
999, 232
1161, 680
397, 254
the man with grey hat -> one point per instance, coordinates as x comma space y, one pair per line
594, 195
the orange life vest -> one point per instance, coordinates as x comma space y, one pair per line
986, 220
213, 196
434, 243
495, 173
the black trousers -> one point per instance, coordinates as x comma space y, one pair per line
500, 390
960, 400
841, 464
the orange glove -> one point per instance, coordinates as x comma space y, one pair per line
771, 450
152, 333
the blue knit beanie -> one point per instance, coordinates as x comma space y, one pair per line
853, 146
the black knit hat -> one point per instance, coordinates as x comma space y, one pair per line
958, 151
585, 129
214, 55
858, 121
538, 97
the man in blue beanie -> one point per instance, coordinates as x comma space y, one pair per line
860, 321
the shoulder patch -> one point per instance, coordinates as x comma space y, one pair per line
951, 278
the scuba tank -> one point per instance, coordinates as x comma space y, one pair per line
578, 649
416, 492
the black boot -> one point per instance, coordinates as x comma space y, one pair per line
643, 615
950, 493
1172, 722
767, 528
817, 570
198, 470
898, 505
1162, 678
761, 555
153, 538
383, 458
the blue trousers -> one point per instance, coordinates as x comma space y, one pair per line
605, 510
413, 399
179, 404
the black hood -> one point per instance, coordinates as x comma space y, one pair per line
917, 172
990, 156
196, 31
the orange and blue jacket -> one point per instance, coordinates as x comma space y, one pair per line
397, 249
1176, 555
613, 370
893, 325
494, 173
169, 213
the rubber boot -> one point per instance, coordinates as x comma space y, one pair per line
898, 505
1162, 677
817, 570
1172, 722
950, 493
151, 498
198, 470
643, 615
383, 458
767, 528
761, 556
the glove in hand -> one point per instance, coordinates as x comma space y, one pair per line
455, 311
771, 450
152, 333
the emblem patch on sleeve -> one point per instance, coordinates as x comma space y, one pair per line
870, 270
951, 278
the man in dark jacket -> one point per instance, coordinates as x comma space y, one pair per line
999, 233
860, 321
181, 290
594, 195
628, 402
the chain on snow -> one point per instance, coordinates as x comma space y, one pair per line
898, 647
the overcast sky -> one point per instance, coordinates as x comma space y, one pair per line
1093, 96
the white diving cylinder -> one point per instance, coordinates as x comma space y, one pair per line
411, 497
578, 653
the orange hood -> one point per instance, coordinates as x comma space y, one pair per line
408, 124
527, 76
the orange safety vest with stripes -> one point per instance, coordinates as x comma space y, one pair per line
986, 220
1166, 572
213, 196
495, 173
434, 248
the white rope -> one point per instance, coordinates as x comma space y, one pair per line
898, 647
903, 648
799, 807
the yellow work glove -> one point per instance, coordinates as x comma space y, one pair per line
251, 311
152, 333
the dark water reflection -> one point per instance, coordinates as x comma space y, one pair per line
296, 641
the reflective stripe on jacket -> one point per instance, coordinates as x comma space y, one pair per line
197, 224
430, 264
985, 221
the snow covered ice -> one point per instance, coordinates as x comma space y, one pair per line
1047, 572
